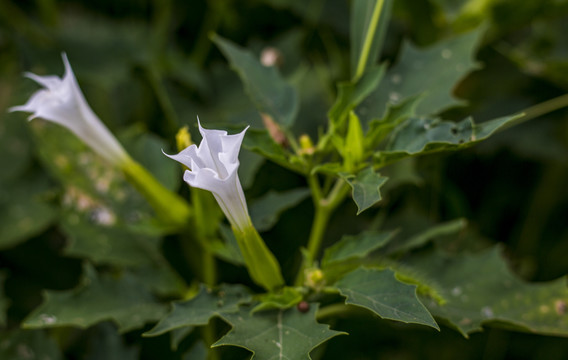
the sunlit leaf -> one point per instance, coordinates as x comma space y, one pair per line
380, 292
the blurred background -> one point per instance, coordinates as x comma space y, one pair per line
149, 67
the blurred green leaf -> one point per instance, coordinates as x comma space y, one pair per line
269, 92
197, 352
260, 142
450, 60
480, 289
419, 136
395, 114
4, 301
228, 250
24, 211
350, 94
355, 246
417, 240
265, 210
380, 292
283, 299
277, 334
366, 187
15, 147
28, 344
107, 344
201, 308
121, 298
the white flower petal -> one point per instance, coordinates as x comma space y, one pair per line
62, 102
214, 167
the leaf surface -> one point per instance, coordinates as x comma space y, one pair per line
264, 85
365, 187
380, 292
200, 309
279, 334
480, 289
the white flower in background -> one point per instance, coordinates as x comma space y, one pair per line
213, 166
62, 102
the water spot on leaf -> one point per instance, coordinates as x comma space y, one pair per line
394, 97
447, 53
487, 312
103, 216
560, 307
24, 351
48, 319
396, 78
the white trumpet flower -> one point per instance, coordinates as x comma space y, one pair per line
213, 166
61, 101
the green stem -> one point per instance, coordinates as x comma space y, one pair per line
369, 39
170, 207
324, 208
539, 110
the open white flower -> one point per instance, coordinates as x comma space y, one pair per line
62, 102
213, 166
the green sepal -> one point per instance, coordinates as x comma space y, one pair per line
259, 260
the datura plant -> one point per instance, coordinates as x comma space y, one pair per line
280, 304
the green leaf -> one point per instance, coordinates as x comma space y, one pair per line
228, 250
121, 298
480, 289
395, 115
450, 60
278, 334
24, 211
26, 345
197, 352
380, 292
421, 238
264, 85
107, 344
260, 142
15, 147
353, 247
366, 187
265, 211
419, 136
4, 301
350, 94
363, 27
283, 299
200, 309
